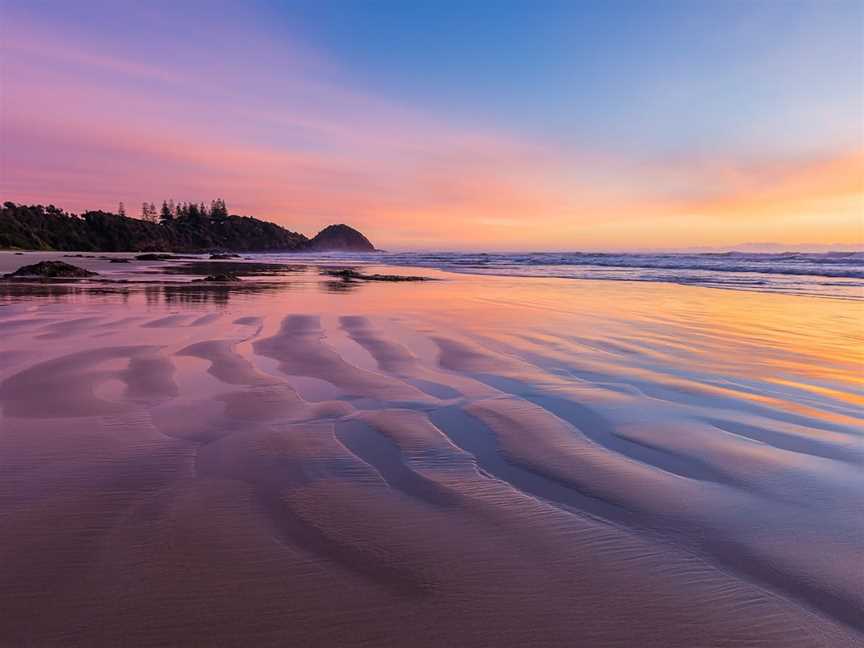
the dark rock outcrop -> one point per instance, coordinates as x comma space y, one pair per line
340, 238
352, 275
224, 277
51, 270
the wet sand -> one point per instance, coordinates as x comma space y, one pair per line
475, 461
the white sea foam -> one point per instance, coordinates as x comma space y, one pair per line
829, 274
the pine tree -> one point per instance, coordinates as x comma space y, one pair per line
148, 212
121, 209
165, 213
218, 209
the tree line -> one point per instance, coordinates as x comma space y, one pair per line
176, 227
182, 210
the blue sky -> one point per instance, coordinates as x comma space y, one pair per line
654, 76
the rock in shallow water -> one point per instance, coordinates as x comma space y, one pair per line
227, 276
51, 269
352, 275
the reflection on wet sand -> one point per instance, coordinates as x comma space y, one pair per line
476, 462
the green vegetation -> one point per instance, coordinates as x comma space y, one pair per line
185, 227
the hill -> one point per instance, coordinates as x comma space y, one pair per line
182, 229
340, 237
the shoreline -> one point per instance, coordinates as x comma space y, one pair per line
846, 289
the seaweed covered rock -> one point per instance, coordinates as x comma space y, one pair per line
224, 277
51, 270
347, 274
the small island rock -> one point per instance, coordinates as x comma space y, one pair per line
52, 270
340, 238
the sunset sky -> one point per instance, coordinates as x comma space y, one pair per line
449, 125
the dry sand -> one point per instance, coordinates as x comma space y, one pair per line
478, 461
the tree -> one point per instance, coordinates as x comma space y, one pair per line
218, 210
166, 213
148, 212
121, 209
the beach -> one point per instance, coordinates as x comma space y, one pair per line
472, 460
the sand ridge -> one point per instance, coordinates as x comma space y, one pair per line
162, 476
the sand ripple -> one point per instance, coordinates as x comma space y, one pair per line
457, 485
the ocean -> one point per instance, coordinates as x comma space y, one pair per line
828, 274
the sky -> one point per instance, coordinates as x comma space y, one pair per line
505, 125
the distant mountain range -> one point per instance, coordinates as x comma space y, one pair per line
183, 229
